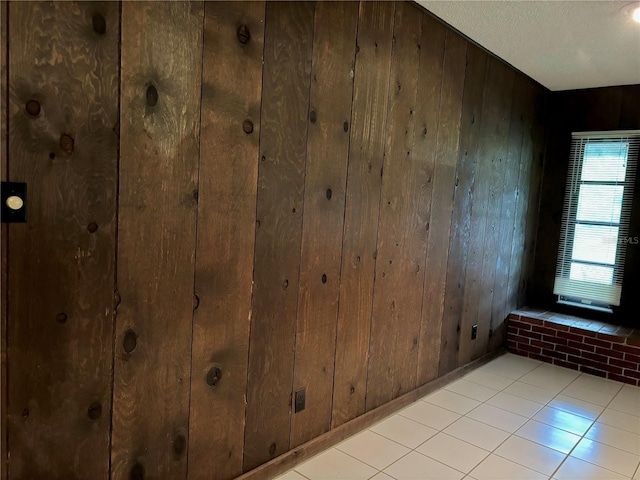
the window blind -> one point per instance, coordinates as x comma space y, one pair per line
595, 217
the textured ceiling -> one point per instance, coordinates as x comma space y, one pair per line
562, 44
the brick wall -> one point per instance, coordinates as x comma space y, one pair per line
600, 349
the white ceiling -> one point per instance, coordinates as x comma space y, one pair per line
563, 44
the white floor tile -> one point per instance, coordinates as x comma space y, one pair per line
591, 382
477, 433
452, 401
594, 396
576, 469
615, 437
418, 467
549, 436
382, 476
563, 420
471, 390
498, 468
576, 406
291, 475
530, 454
550, 377
511, 366
607, 457
530, 392
627, 401
373, 449
497, 417
624, 421
335, 465
513, 404
453, 452
488, 379
403, 430
430, 415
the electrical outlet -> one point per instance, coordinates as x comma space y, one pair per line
299, 400
474, 332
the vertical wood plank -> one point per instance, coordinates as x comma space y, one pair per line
283, 141
332, 71
4, 232
491, 113
401, 232
63, 104
463, 197
499, 310
160, 114
522, 198
229, 148
443, 179
496, 139
373, 59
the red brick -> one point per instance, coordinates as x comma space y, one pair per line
597, 342
540, 344
534, 335
581, 346
629, 349
561, 363
584, 331
623, 363
545, 330
531, 319
511, 330
593, 371
611, 338
595, 357
632, 373
554, 354
556, 326
514, 316
556, 340
520, 325
632, 358
633, 341
612, 369
530, 349
571, 336
622, 378
582, 361
609, 352
569, 350
542, 358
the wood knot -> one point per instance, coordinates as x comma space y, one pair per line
130, 341
345, 126
99, 24
352, 390
33, 108
285, 284
152, 96
94, 411
61, 317
213, 376
247, 126
272, 449
244, 36
66, 143
137, 472
196, 301
92, 227
313, 116
179, 445
329, 193
324, 278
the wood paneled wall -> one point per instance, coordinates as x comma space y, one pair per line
594, 109
233, 201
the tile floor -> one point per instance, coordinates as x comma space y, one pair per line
513, 419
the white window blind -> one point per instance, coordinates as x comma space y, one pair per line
595, 218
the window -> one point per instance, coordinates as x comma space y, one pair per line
595, 219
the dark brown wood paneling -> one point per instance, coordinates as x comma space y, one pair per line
232, 84
481, 206
159, 142
496, 140
4, 232
463, 197
512, 164
442, 179
332, 71
401, 246
283, 142
375, 31
63, 103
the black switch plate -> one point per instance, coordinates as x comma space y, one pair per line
474, 332
299, 401
14, 210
